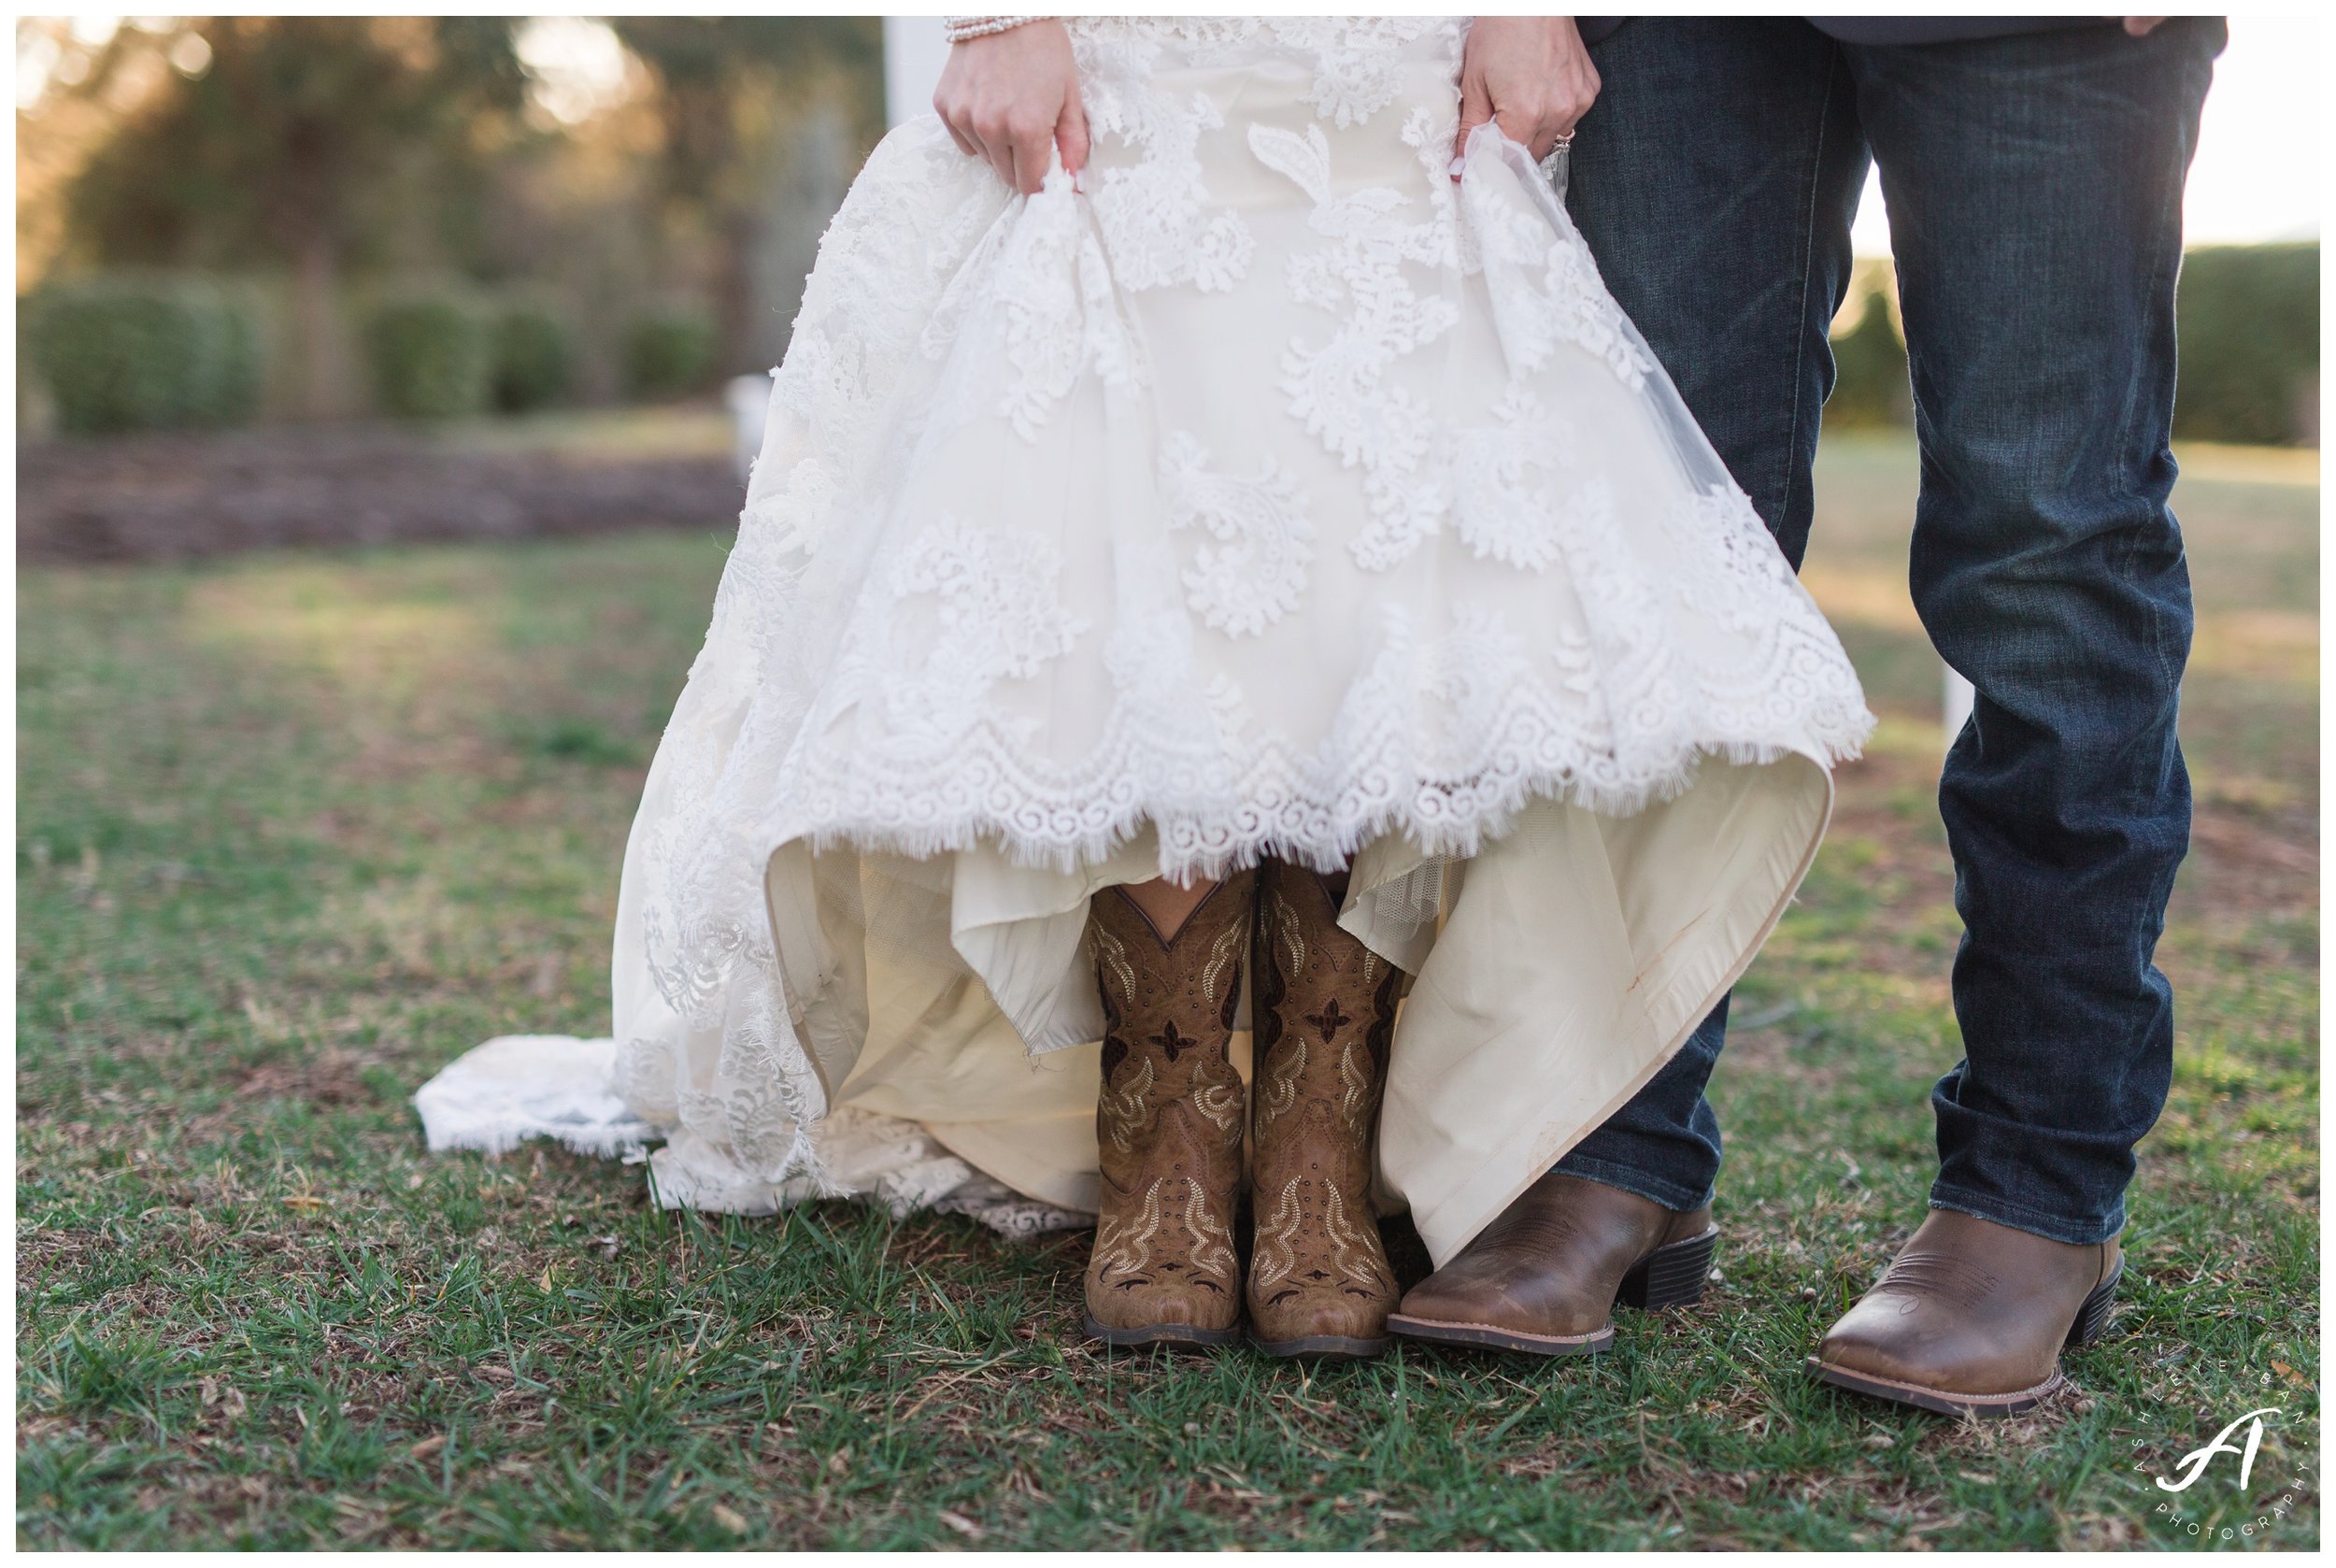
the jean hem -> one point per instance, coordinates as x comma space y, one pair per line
2052, 1227
1679, 1200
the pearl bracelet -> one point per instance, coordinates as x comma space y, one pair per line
957, 29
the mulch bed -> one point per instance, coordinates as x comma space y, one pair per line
179, 497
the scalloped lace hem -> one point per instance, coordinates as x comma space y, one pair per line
1323, 836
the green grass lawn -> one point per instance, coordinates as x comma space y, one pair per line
296, 831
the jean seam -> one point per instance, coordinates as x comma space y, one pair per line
1808, 268
2019, 1217
2169, 206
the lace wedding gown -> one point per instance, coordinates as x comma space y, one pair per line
1270, 492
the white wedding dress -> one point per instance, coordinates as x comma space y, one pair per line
1268, 491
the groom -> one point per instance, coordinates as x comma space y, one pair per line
2034, 170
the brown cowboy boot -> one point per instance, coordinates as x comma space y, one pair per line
1545, 1276
1324, 1017
1971, 1317
1168, 1122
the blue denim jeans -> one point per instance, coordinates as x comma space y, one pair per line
2034, 185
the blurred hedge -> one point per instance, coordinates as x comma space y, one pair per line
669, 350
131, 351
449, 351
429, 353
535, 356
2248, 319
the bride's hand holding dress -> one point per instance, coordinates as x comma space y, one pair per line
1528, 75
1012, 99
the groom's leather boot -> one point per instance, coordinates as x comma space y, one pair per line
1544, 1278
1168, 1122
1324, 1011
1971, 1317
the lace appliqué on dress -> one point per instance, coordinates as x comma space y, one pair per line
1255, 571
976, 607
1062, 322
1337, 387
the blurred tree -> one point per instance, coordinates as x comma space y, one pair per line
2248, 319
272, 138
1869, 385
730, 90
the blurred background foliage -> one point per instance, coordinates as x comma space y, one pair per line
221, 218
598, 211
2250, 344
121, 351
2249, 322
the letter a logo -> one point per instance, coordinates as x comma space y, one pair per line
2197, 1460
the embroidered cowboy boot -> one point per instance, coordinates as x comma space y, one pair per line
1324, 1017
1168, 1122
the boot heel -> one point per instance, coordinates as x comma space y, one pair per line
1672, 1276
2093, 1316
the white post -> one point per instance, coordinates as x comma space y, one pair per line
749, 401
1959, 696
914, 50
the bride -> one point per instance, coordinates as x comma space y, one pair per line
1237, 670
